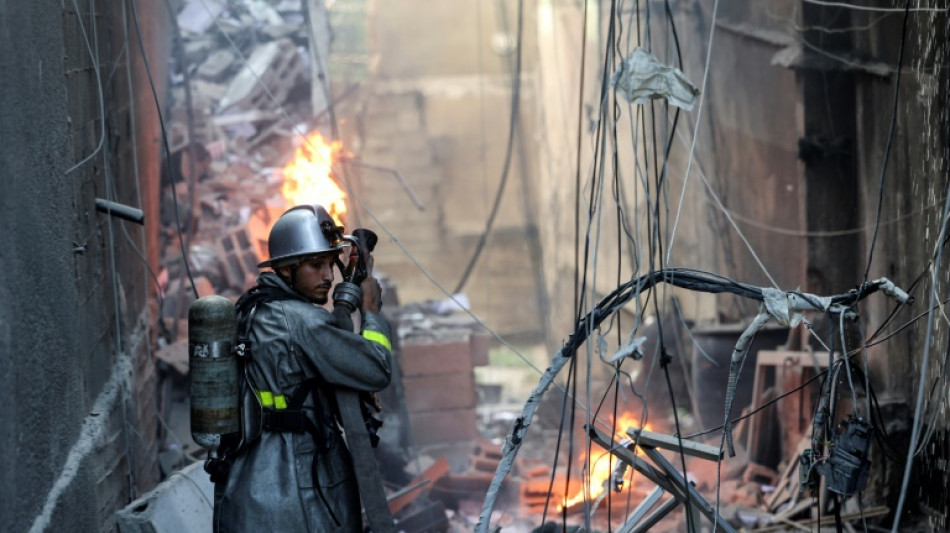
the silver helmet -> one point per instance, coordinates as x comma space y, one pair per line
302, 231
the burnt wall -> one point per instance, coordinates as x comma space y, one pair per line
78, 425
437, 108
915, 184
747, 148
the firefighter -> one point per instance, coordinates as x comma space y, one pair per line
298, 474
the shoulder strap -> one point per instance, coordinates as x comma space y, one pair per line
246, 305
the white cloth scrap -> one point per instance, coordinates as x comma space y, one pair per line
642, 77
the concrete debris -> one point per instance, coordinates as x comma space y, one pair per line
265, 80
175, 355
178, 504
242, 56
264, 13
199, 15
217, 65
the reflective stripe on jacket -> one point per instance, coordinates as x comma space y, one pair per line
272, 487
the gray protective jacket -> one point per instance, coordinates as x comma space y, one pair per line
285, 482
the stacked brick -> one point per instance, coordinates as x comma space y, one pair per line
439, 388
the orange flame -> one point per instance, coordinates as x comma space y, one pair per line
602, 466
308, 176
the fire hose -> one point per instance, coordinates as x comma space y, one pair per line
359, 441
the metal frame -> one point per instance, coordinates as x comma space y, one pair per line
666, 477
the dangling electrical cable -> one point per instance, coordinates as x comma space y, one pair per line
102, 110
597, 191
912, 449
847, 364
161, 123
890, 138
509, 149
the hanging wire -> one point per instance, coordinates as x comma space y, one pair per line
875, 9
847, 364
94, 58
890, 138
924, 366
513, 121
827, 234
168, 158
577, 290
692, 146
110, 183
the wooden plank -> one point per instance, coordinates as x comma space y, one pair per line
626, 455
773, 359
427, 478
669, 442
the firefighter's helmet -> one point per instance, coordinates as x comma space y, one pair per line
302, 231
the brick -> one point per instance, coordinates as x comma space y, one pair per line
451, 425
489, 450
431, 475
538, 489
532, 495
479, 344
474, 483
480, 464
240, 258
446, 391
537, 471
436, 358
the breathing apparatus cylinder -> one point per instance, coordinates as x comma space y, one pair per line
214, 387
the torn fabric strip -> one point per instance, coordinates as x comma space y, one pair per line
642, 77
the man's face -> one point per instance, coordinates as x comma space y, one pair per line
314, 277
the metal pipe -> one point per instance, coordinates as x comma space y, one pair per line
131, 214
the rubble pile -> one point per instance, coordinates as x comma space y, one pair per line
245, 67
242, 78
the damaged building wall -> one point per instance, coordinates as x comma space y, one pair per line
78, 429
828, 91
802, 184
915, 190
437, 108
750, 164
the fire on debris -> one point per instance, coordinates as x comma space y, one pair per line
601, 470
308, 177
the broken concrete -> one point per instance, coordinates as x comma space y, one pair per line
181, 503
